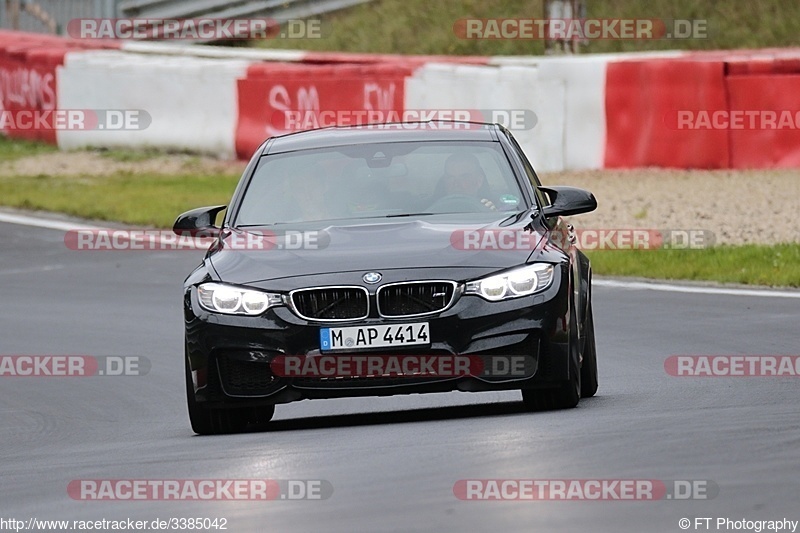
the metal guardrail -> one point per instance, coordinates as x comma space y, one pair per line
59, 11
288, 9
175, 9
62, 11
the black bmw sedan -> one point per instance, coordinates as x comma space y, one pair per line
387, 259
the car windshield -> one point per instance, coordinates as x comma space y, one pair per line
380, 180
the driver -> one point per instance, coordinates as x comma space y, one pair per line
465, 177
308, 194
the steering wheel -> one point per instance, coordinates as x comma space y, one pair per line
456, 203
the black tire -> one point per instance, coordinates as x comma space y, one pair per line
220, 421
589, 365
260, 416
566, 395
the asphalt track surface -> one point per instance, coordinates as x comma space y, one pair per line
392, 461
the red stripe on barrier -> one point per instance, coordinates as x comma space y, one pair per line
766, 146
788, 65
760, 61
643, 97
750, 66
28, 82
275, 99
775, 62
28, 64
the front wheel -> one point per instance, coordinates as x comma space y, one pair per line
219, 421
589, 365
566, 394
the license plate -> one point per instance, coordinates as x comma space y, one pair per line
358, 337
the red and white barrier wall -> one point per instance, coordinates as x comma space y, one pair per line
592, 111
471, 87
278, 98
644, 97
28, 65
191, 101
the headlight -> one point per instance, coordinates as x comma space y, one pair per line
514, 283
232, 300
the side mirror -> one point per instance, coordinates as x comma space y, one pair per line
567, 201
200, 220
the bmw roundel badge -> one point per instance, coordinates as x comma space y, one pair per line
372, 277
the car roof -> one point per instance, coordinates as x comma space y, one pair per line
382, 133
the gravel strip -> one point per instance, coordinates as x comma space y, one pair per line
739, 207
86, 163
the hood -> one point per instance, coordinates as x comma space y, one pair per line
242, 257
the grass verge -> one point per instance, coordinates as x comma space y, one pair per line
776, 265
11, 149
425, 27
151, 200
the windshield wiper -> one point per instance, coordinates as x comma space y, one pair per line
409, 215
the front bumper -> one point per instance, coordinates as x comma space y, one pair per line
229, 356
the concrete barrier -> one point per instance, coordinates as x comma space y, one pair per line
275, 99
502, 90
592, 111
191, 101
28, 65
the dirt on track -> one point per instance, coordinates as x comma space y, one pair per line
739, 207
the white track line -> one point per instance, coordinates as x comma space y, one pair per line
153, 237
37, 222
666, 287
